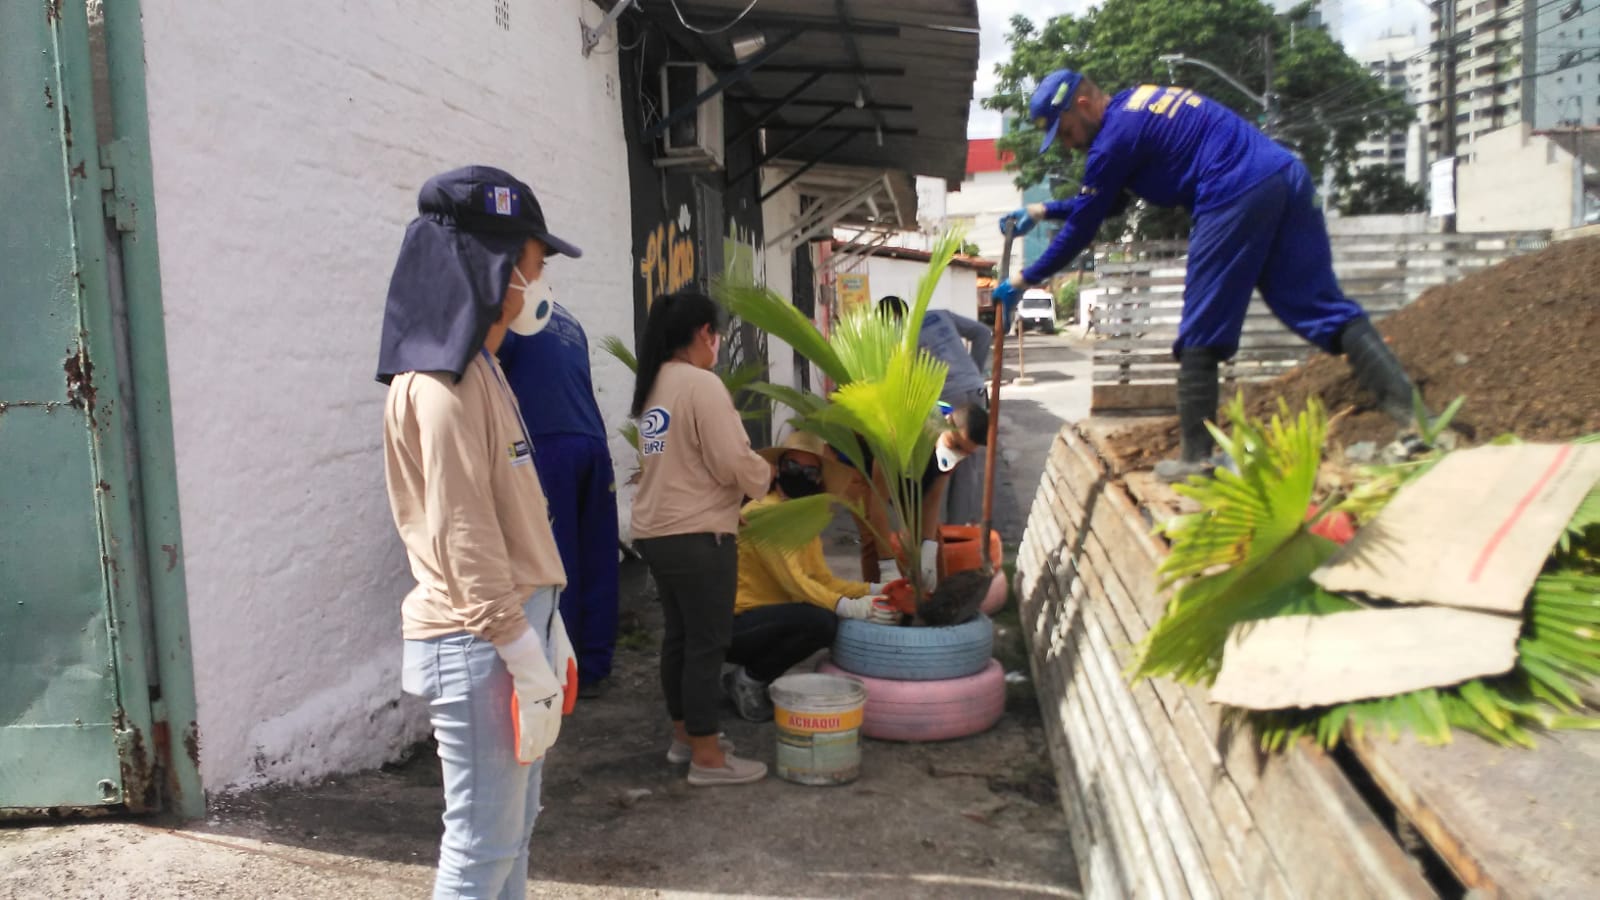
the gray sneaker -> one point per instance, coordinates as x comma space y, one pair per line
734, 770
748, 695
679, 753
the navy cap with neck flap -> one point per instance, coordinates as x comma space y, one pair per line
454, 267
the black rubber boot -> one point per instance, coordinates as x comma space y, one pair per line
1197, 404
1377, 370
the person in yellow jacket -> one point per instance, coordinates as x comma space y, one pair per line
788, 604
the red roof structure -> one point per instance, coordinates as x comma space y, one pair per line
984, 156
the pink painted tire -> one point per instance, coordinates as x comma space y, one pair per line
931, 710
995, 600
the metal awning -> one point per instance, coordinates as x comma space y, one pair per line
872, 84
870, 201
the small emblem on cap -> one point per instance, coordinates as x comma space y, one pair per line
502, 201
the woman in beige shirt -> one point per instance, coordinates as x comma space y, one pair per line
484, 641
698, 468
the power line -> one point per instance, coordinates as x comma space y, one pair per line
719, 29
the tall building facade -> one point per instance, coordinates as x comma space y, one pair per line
1479, 72
1400, 63
1566, 90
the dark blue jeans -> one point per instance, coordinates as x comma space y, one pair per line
768, 640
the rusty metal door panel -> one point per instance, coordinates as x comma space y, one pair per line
58, 696
74, 700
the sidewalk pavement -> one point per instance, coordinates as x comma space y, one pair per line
959, 819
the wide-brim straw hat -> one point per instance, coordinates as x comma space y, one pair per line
836, 476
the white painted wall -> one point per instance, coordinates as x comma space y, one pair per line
957, 290
289, 141
1516, 180
980, 203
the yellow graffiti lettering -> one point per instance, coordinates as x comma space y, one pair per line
668, 263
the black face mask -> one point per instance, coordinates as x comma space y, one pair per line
798, 481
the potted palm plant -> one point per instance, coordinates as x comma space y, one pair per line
882, 409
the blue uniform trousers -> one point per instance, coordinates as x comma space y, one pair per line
575, 471
1272, 238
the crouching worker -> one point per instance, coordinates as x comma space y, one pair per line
484, 641
789, 603
966, 434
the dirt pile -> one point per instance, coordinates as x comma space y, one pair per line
1520, 341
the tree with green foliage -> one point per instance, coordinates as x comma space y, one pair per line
1326, 101
1376, 190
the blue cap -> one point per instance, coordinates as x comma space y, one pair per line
487, 200
1053, 95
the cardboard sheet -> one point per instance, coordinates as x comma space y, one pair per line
1303, 661
1473, 532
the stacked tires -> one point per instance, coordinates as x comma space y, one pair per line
923, 683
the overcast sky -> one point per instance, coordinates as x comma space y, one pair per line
1362, 21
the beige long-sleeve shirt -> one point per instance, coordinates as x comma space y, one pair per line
698, 466
467, 502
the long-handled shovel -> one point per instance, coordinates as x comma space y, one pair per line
959, 596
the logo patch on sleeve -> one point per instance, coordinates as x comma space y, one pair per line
520, 453
653, 427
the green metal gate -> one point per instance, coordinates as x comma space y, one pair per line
82, 716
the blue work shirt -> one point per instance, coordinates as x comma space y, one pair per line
944, 335
549, 373
1170, 146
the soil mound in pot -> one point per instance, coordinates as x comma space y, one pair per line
1521, 341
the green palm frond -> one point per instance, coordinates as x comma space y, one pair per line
892, 414
743, 377
764, 308
614, 346
866, 340
1252, 527
1247, 555
944, 250
790, 525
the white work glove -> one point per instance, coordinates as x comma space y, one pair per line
889, 570
853, 607
930, 564
566, 664
536, 697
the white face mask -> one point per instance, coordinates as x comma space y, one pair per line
538, 305
947, 457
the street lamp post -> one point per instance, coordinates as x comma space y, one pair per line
1267, 101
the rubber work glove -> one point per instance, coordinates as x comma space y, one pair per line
536, 697
1017, 223
889, 570
853, 607
883, 612
566, 664
1007, 297
930, 564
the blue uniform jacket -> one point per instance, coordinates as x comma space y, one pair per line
1170, 146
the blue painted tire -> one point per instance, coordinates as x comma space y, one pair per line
913, 653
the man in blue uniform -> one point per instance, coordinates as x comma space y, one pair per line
1255, 227
549, 373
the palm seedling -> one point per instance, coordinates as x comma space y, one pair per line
883, 407
1249, 552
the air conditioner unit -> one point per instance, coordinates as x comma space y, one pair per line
696, 138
